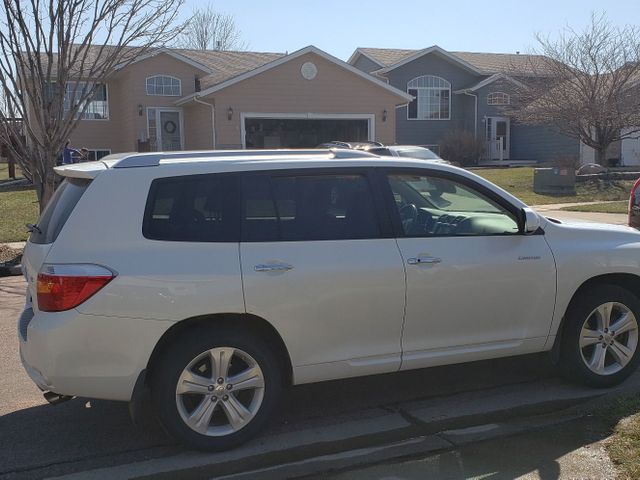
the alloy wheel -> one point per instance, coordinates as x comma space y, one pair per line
609, 338
220, 391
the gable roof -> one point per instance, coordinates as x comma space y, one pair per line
490, 80
224, 65
286, 58
382, 56
216, 66
177, 54
433, 49
483, 63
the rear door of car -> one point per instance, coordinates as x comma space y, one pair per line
320, 263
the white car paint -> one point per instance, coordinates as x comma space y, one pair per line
340, 310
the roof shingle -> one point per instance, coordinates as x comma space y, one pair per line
487, 63
227, 64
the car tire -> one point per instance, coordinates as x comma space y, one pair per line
592, 352
214, 414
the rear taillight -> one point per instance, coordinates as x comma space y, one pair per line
65, 286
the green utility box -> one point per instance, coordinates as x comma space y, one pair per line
554, 181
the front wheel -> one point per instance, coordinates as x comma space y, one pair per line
600, 339
214, 388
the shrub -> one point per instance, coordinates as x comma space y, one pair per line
461, 147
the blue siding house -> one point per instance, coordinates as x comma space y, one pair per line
463, 91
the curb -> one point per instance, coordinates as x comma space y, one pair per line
413, 427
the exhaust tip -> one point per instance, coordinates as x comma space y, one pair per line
56, 398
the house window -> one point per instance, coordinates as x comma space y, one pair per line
432, 98
97, 154
95, 108
164, 85
498, 98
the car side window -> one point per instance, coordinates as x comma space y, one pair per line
308, 207
197, 208
430, 206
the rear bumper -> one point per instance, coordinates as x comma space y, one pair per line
87, 355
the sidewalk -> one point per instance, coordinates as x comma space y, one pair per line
555, 211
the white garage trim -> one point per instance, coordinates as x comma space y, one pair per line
371, 124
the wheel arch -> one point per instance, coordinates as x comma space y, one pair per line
242, 321
628, 281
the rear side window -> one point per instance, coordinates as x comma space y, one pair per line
58, 210
308, 207
198, 208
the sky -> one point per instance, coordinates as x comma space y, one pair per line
339, 27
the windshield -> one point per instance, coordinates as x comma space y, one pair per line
417, 152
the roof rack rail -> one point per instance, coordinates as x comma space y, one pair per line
153, 159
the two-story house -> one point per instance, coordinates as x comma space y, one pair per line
175, 99
463, 91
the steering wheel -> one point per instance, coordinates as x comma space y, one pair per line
409, 212
409, 217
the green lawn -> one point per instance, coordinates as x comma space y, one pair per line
622, 420
17, 207
4, 172
519, 182
611, 207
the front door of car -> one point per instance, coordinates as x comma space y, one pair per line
317, 266
476, 286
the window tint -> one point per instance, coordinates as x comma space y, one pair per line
58, 210
433, 206
308, 207
192, 209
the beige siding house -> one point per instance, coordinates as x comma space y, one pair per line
191, 100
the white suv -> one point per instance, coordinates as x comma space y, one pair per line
216, 279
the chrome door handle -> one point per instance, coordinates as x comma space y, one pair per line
272, 267
421, 260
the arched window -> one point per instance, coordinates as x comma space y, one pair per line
498, 98
164, 85
432, 98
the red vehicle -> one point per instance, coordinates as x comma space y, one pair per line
634, 206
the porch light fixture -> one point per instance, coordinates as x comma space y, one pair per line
384, 115
140, 109
229, 113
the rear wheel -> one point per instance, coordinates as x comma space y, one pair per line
600, 340
214, 389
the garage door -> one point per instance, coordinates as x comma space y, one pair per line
302, 133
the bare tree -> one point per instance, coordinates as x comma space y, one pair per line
57, 55
208, 29
584, 84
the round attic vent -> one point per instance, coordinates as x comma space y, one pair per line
309, 70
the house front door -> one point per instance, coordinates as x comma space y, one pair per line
498, 138
165, 130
